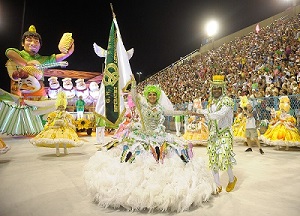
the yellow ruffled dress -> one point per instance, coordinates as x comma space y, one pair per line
59, 130
282, 131
239, 128
197, 132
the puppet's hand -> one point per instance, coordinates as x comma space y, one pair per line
66, 44
71, 50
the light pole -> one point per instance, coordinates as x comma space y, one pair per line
139, 74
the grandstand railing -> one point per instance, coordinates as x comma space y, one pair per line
263, 106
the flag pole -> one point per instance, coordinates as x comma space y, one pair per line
112, 10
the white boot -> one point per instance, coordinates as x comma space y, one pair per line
57, 152
100, 135
177, 126
185, 123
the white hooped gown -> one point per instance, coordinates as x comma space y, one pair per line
149, 169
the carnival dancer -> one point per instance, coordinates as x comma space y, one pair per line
149, 168
239, 123
80, 103
239, 126
219, 114
59, 131
282, 130
197, 130
129, 118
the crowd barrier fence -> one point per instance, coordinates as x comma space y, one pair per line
263, 107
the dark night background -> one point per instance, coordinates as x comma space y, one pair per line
160, 31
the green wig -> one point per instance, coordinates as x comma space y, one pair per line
152, 88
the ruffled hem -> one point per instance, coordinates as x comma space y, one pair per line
279, 142
146, 184
239, 139
51, 143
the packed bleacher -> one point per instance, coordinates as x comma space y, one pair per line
261, 65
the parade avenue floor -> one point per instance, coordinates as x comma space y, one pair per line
35, 182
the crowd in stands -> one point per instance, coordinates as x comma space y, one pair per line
259, 65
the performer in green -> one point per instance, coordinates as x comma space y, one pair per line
80, 107
219, 114
177, 120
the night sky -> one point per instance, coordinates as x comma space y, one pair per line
160, 31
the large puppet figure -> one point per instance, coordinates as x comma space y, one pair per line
26, 66
26, 70
282, 130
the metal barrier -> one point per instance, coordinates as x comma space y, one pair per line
262, 105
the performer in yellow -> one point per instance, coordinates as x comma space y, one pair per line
282, 130
59, 131
239, 126
197, 130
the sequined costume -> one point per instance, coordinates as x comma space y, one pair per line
239, 127
219, 146
197, 131
149, 168
59, 131
219, 115
282, 130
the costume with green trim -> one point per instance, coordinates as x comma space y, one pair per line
148, 168
220, 141
219, 114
